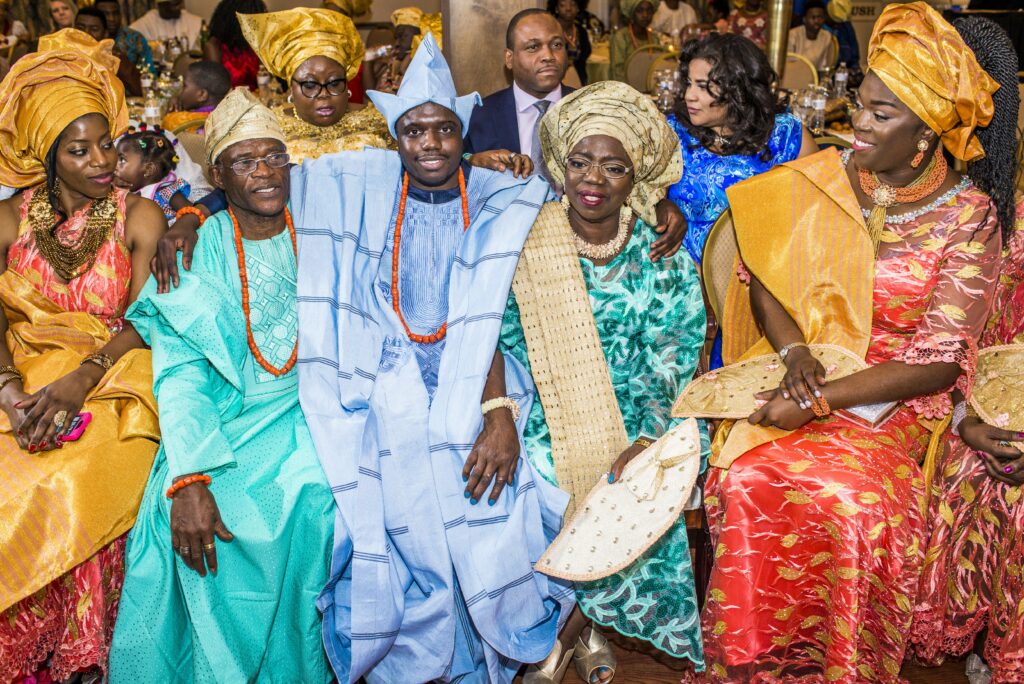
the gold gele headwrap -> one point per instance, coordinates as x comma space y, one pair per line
627, 7
351, 8
923, 60
240, 116
407, 16
101, 52
621, 112
839, 11
284, 40
41, 96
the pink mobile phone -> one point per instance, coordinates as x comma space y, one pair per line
78, 424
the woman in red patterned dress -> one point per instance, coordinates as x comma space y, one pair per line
74, 253
820, 525
973, 579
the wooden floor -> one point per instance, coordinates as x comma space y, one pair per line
641, 664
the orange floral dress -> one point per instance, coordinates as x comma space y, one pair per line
71, 620
974, 561
819, 535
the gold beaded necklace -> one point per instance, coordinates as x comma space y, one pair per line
70, 261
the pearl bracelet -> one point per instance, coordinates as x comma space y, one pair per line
500, 402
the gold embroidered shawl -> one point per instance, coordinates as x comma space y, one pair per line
566, 357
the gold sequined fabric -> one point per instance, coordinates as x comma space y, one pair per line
621, 112
359, 128
925, 62
998, 392
284, 40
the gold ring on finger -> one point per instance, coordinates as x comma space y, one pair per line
209, 547
59, 418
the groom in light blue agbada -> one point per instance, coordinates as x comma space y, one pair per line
405, 264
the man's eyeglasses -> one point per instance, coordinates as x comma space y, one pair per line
312, 89
611, 170
246, 167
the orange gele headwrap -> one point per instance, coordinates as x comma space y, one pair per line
925, 62
44, 93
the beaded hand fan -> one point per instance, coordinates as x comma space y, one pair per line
998, 393
618, 522
729, 392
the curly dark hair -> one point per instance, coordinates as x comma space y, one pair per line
740, 79
154, 147
224, 24
996, 172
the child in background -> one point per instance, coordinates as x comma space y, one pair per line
146, 162
205, 84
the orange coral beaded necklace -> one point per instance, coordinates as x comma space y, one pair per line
395, 299
243, 275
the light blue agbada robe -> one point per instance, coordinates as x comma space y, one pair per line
425, 586
223, 415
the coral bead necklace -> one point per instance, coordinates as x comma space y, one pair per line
243, 275
395, 298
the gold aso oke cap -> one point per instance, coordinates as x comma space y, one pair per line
925, 62
44, 93
621, 112
407, 16
284, 40
239, 117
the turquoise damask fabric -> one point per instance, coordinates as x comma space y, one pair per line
650, 317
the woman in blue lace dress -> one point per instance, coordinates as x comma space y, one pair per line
729, 128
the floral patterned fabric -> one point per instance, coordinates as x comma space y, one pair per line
71, 620
102, 291
974, 563
650, 318
820, 535
73, 616
700, 193
753, 27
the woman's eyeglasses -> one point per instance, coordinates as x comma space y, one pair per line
246, 167
312, 89
610, 170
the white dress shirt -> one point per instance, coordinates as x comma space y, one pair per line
672, 21
153, 27
527, 114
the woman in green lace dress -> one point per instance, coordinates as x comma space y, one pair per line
616, 156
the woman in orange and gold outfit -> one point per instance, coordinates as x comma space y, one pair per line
820, 523
74, 253
317, 51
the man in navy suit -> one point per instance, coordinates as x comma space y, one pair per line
535, 53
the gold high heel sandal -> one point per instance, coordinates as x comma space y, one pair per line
552, 669
592, 654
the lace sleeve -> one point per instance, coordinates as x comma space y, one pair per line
959, 304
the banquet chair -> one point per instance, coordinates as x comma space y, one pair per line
799, 73
664, 61
638, 65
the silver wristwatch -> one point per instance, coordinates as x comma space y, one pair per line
784, 352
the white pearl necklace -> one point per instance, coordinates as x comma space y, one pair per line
605, 250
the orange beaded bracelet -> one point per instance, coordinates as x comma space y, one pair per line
185, 482
195, 211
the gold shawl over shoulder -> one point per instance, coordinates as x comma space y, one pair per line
59, 508
566, 358
800, 232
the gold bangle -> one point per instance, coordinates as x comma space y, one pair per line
101, 360
643, 441
500, 402
10, 369
8, 380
